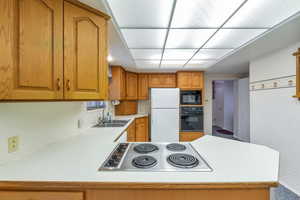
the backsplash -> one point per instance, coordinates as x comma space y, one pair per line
39, 124
144, 106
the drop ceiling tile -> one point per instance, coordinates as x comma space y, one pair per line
144, 38
212, 53
263, 13
141, 13
203, 13
173, 64
147, 64
178, 54
233, 38
188, 38
199, 64
146, 53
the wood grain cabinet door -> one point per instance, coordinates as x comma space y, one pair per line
41, 195
131, 86
141, 131
154, 80
143, 87
117, 85
85, 52
184, 80
197, 80
131, 132
31, 49
168, 80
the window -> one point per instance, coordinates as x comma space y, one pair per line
93, 105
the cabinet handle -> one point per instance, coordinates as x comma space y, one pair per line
68, 85
58, 84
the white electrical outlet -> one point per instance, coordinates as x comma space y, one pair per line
13, 144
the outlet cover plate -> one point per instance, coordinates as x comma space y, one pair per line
13, 144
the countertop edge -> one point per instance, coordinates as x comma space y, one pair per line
61, 185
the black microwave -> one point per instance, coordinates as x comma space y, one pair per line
190, 97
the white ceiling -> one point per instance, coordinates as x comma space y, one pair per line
171, 35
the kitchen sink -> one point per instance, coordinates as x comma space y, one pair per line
112, 123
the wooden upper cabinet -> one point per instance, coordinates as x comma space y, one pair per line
52, 50
85, 51
190, 80
143, 87
131, 86
117, 86
162, 80
31, 63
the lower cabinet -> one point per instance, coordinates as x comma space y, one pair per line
18, 195
131, 132
138, 130
141, 129
189, 136
150, 193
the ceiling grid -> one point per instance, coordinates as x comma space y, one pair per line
177, 34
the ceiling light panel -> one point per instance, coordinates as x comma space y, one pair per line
141, 13
147, 64
188, 38
199, 64
233, 38
203, 13
212, 53
173, 64
144, 38
263, 13
178, 54
146, 53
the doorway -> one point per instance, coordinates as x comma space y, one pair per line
223, 108
231, 109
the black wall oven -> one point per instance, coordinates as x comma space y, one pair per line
190, 97
191, 119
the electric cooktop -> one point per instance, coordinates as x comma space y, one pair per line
155, 157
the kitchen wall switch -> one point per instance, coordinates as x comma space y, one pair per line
13, 144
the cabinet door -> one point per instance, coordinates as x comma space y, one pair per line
141, 131
131, 132
126, 108
184, 80
131, 86
143, 87
162, 80
189, 136
85, 49
31, 35
168, 80
154, 81
197, 80
117, 86
41, 195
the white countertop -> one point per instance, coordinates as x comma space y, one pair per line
79, 157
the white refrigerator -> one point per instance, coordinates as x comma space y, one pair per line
165, 114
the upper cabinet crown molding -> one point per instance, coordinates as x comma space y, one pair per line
45, 55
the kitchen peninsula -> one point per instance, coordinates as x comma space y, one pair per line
240, 170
